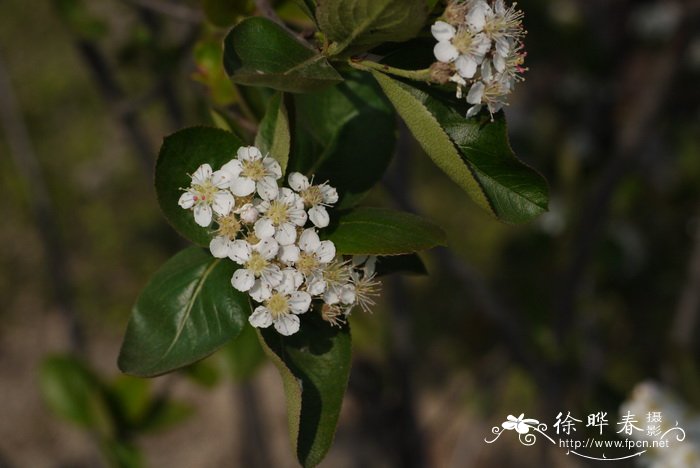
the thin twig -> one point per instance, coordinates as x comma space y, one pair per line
25, 159
176, 11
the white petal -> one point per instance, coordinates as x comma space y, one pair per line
442, 31
502, 47
291, 280
264, 228
239, 251
476, 19
358, 260
319, 216
299, 302
331, 296
261, 291
370, 265
234, 167
289, 254
248, 153
466, 66
297, 215
476, 93
267, 188
347, 294
260, 318
243, 279
186, 200
445, 52
201, 175
242, 186
202, 214
287, 196
223, 202
248, 213
219, 247
309, 240
486, 71
330, 194
316, 287
326, 251
298, 181
222, 178
272, 167
482, 44
287, 325
286, 234
473, 110
267, 247
272, 276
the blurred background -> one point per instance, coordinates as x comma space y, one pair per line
594, 304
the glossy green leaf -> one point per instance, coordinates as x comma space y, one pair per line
181, 154
187, 311
352, 131
73, 392
315, 365
475, 152
273, 134
358, 25
377, 231
259, 52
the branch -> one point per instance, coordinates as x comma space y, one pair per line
24, 156
172, 10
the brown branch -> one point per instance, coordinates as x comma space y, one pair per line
24, 156
171, 10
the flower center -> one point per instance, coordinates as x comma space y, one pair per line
312, 196
278, 305
256, 263
336, 273
333, 314
463, 41
253, 169
205, 192
229, 226
278, 212
307, 263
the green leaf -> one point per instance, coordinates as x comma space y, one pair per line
259, 52
187, 311
73, 392
475, 152
377, 231
315, 366
181, 154
359, 25
273, 134
352, 133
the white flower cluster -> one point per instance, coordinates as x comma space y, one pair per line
481, 41
283, 264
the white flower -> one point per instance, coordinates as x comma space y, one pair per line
228, 230
259, 274
248, 213
315, 197
207, 193
281, 217
281, 309
250, 172
366, 287
314, 254
503, 25
462, 46
491, 94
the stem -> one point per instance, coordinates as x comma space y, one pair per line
366, 65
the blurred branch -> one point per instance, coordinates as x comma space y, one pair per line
686, 317
28, 166
173, 10
627, 152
